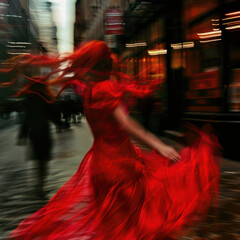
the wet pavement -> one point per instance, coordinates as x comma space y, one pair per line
18, 197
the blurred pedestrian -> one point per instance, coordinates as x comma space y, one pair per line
35, 127
66, 107
120, 191
57, 109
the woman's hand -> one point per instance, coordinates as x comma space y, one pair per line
168, 152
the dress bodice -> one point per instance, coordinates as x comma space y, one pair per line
100, 101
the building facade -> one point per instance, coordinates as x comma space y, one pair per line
192, 48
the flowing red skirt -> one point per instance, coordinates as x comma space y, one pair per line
140, 197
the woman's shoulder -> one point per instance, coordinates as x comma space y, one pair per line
105, 95
106, 89
106, 84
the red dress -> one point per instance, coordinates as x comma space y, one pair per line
122, 193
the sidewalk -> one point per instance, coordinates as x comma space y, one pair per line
7, 122
18, 198
17, 179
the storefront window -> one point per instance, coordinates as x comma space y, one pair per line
234, 91
157, 71
202, 62
233, 30
204, 87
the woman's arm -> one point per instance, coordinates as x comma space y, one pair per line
134, 129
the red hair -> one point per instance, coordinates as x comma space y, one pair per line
94, 58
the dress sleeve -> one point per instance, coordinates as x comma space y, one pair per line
106, 95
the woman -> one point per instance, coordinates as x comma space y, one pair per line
120, 192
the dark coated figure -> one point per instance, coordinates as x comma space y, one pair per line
36, 127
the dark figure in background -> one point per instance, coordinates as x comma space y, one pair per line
35, 126
146, 106
57, 108
67, 110
80, 105
77, 110
18, 108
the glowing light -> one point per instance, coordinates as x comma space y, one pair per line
19, 42
212, 40
210, 36
233, 27
157, 52
209, 33
215, 33
141, 44
231, 23
182, 45
229, 18
215, 20
232, 13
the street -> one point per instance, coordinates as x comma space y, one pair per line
17, 175
17, 179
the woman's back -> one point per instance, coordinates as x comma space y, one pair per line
100, 100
